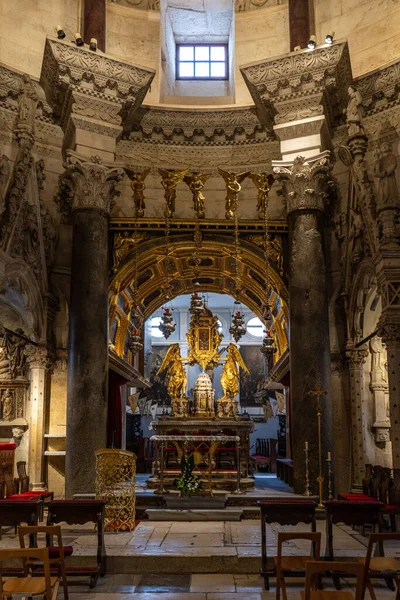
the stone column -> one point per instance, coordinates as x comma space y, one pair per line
38, 364
92, 185
94, 22
391, 337
309, 330
356, 359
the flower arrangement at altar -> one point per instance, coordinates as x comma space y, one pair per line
187, 483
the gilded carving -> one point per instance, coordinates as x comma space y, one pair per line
91, 182
233, 187
263, 183
138, 186
170, 180
176, 374
123, 244
196, 183
230, 371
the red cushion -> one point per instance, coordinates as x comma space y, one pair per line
393, 507
21, 497
294, 501
362, 497
7, 446
54, 553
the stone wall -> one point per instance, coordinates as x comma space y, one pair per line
372, 29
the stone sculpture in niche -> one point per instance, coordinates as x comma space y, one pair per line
12, 357
5, 169
8, 405
354, 113
385, 172
138, 186
380, 390
27, 102
357, 236
196, 183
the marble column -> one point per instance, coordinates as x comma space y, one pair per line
391, 337
356, 359
94, 22
309, 331
38, 365
92, 185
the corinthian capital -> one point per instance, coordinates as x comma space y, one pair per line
356, 358
304, 181
91, 182
37, 356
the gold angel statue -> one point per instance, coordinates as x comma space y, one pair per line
138, 186
176, 374
196, 183
169, 181
233, 187
230, 372
263, 183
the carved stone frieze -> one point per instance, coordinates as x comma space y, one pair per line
255, 155
304, 181
12, 84
191, 125
293, 86
67, 68
91, 182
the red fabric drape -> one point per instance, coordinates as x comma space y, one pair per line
114, 420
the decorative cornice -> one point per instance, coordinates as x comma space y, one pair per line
380, 88
11, 82
304, 181
301, 84
198, 126
67, 68
154, 5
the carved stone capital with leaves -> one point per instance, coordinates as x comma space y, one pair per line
390, 333
356, 358
37, 357
92, 183
304, 181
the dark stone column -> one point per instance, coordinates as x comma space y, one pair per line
94, 22
299, 23
308, 311
92, 185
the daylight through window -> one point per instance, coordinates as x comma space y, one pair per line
202, 61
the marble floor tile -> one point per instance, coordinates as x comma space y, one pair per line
198, 527
212, 583
164, 582
182, 540
249, 583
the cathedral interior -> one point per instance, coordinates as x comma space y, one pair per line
200, 285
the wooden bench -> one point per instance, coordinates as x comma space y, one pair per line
283, 512
284, 470
14, 512
79, 512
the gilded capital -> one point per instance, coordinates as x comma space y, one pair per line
91, 182
304, 181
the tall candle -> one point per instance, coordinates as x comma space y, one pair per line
329, 456
306, 446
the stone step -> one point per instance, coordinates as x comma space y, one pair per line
194, 514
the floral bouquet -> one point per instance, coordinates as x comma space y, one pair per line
188, 483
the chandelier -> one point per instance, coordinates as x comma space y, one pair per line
238, 328
167, 324
268, 347
135, 343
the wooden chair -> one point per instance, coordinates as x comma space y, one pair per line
315, 569
23, 477
384, 567
79, 512
393, 507
29, 586
284, 512
55, 553
294, 565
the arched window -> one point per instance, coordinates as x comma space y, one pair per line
155, 332
255, 327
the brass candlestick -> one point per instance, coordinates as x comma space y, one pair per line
319, 393
307, 492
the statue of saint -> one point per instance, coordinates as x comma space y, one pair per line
27, 102
354, 113
230, 372
123, 243
138, 186
169, 181
7, 402
275, 253
263, 183
196, 183
233, 187
357, 236
385, 172
176, 373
